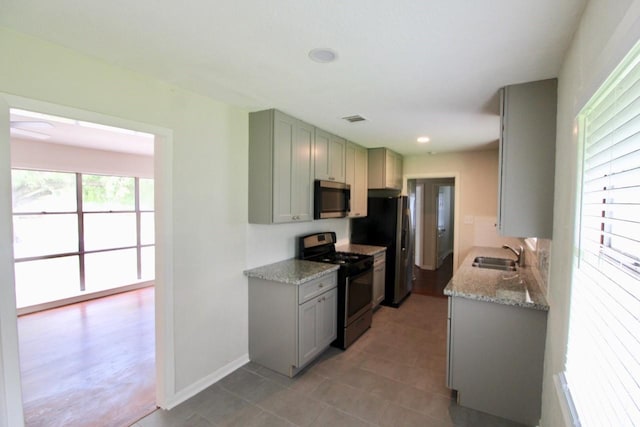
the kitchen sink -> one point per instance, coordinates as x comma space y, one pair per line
504, 264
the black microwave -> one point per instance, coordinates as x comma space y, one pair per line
331, 199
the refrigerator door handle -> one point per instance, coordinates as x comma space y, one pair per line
405, 231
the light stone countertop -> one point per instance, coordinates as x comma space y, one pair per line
517, 288
360, 249
292, 271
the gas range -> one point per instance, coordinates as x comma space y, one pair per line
320, 247
342, 258
355, 284
350, 264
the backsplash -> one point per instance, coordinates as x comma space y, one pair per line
537, 256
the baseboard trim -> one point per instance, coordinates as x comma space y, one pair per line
198, 386
84, 297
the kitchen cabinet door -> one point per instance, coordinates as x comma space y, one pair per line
317, 322
308, 323
356, 177
527, 159
280, 168
496, 358
379, 272
328, 322
329, 156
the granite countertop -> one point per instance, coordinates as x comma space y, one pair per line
360, 249
517, 288
292, 271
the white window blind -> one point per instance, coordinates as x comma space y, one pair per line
603, 357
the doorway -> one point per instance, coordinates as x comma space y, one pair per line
435, 232
160, 305
83, 221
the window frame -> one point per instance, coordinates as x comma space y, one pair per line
80, 216
589, 278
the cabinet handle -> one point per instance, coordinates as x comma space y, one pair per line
357, 214
331, 178
321, 285
319, 299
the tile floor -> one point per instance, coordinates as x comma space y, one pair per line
394, 375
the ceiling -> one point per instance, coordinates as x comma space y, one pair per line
410, 67
64, 131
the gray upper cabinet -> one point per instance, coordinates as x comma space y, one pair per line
527, 159
385, 169
329, 155
280, 168
356, 177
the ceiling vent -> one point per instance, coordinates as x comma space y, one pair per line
354, 119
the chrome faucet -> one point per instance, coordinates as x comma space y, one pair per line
519, 254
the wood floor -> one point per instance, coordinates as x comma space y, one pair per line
433, 282
91, 363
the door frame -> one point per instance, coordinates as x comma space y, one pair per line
456, 200
10, 382
436, 190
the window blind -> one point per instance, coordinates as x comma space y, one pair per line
603, 355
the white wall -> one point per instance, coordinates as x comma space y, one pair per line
476, 189
607, 31
277, 242
207, 191
211, 242
27, 154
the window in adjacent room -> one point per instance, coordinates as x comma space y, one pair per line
78, 233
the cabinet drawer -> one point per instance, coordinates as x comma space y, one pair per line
316, 287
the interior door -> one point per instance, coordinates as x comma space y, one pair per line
444, 226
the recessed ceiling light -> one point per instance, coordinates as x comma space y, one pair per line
323, 55
423, 139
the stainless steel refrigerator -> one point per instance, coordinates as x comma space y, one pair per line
389, 223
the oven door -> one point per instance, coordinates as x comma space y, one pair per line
358, 295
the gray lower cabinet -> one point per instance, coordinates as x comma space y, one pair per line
495, 357
289, 325
379, 271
